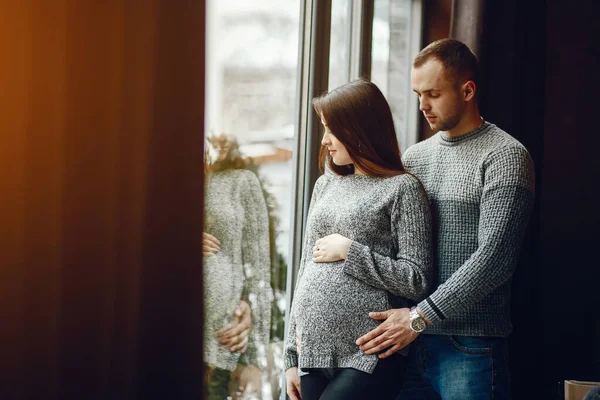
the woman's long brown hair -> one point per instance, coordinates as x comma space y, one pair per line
359, 116
233, 159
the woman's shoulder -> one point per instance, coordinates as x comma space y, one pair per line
242, 174
323, 180
408, 186
405, 181
325, 177
243, 179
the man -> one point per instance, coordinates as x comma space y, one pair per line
480, 184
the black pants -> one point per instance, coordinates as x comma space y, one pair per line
348, 383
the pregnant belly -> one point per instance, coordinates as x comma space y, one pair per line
223, 285
330, 303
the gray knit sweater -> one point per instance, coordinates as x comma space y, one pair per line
389, 221
236, 214
481, 189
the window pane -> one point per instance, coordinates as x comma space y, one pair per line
380, 53
339, 47
394, 27
252, 50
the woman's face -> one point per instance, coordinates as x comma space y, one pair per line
337, 151
221, 144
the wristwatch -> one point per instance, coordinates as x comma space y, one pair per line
417, 323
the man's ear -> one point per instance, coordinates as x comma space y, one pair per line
469, 90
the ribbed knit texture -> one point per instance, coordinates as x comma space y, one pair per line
481, 189
389, 221
236, 214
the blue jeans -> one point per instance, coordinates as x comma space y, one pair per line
456, 367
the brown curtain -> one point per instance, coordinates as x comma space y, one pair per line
101, 121
467, 23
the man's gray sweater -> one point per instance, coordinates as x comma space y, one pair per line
481, 189
388, 220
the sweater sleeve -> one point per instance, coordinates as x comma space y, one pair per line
290, 353
257, 269
409, 273
506, 203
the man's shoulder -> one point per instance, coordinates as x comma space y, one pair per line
498, 139
424, 144
502, 145
421, 148
509, 160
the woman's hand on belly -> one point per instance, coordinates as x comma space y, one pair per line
331, 248
210, 244
235, 337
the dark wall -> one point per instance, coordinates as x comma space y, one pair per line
569, 213
540, 70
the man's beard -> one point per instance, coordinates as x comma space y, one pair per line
447, 123
452, 120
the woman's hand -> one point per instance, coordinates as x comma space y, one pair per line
293, 383
331, 248
246, 382
235, 338
210, 244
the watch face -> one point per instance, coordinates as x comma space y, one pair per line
418, 324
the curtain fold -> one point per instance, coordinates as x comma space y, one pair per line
467, 23
101, 199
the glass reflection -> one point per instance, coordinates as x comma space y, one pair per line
236, 273
251, 69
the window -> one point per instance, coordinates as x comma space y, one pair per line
252, 52
396, 42
266, 59
339, 48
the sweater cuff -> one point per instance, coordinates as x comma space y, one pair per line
290, 360
431, 311
354, 259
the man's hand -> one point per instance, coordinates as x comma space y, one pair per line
246, 381
293, 383
393, 333
331, 248
210, 244
236, 337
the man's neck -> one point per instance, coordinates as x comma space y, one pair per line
468, 123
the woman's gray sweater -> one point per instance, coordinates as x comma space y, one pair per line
236, 214
389, 263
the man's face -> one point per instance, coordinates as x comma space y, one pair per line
440, 100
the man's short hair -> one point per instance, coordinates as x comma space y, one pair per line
460, 63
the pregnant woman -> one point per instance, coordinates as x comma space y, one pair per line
367, 247
237, 272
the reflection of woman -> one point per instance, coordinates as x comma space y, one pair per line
237, 269
367, 247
